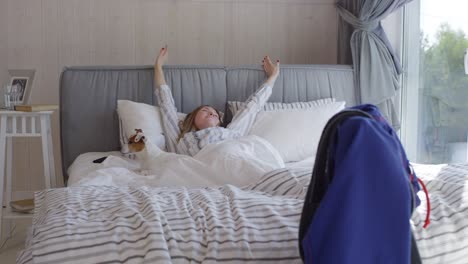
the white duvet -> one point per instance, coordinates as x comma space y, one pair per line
237, 162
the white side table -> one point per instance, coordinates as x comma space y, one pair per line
23, 124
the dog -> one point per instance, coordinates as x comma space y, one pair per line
136, 142
139, 150
136, 145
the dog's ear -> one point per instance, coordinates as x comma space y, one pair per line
139, 135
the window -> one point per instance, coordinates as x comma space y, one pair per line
435, 86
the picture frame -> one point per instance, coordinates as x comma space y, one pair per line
22, 83
24, 78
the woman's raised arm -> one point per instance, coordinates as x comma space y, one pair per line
244, 119
166, 103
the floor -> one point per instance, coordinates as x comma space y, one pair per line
15, 243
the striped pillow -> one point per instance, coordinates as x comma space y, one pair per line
235, 106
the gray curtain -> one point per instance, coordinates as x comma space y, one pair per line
363, 43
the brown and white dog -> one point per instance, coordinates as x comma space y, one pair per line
136, 142
138, 151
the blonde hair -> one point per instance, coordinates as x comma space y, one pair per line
188, 124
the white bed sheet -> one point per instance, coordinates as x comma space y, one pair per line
83, 165
237, 162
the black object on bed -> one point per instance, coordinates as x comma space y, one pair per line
322, 176
100, 160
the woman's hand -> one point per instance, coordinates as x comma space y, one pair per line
272, 70
162, 58
158, 72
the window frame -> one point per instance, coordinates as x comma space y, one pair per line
411, 97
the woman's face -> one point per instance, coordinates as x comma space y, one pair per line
206, 117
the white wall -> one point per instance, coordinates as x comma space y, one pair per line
3, 43
50, 34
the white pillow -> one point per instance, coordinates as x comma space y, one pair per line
295, 133
234, 106
133, 115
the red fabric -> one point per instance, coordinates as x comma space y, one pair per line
428, 202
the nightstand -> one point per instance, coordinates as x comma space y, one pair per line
23, 124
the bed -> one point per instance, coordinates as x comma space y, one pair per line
118, 219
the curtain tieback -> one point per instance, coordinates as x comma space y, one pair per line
356, 23
366, 26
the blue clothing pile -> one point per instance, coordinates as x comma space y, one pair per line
363, 215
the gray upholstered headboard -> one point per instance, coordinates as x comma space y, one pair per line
88, 95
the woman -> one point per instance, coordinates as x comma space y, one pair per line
202, 126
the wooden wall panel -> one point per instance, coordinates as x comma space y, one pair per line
198, 32
3, 46
49, 34
299, 34
152, 29
3, 43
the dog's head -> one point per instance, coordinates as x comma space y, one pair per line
136, 142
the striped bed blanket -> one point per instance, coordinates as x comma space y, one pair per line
254, 224
445, 240
104, 224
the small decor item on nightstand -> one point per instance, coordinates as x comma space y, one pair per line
21, 84
18, 90
12, 95
22, 206
36, 107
